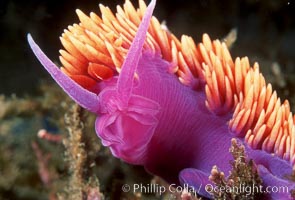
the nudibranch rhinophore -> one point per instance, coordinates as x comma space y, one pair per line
171, 105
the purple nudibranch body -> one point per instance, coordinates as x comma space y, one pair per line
146, 116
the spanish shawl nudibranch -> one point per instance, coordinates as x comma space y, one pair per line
170, 105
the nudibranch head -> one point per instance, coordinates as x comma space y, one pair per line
171, 105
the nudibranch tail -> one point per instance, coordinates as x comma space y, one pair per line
83, 97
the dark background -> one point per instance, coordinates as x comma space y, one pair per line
266, 31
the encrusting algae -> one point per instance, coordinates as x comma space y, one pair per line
244, 173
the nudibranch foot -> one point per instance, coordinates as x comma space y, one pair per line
271, 170
196, 179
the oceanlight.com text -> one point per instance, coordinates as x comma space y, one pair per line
246, 189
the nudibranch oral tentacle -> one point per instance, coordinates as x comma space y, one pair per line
166, 103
